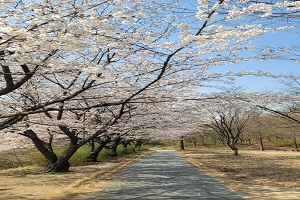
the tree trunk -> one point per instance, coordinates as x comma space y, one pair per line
194, 143
295, 144
181, 143
241, 140
138, 144
233, 148
62, 164
91, 144
92, 157
54, 164
125, 145
114, 147
43, 147
235, 151
114, 150
94, 152
59, 166
261, 145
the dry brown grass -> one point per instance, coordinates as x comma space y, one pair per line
252, 174
30, 184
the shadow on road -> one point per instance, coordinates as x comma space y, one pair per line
163, 175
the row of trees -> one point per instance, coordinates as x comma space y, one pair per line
96, 71
234, 119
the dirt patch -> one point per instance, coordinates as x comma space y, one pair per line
29, 183
252, 174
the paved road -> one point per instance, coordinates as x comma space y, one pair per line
164, 175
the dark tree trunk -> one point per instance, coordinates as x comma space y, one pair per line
233, 148
235, 152
195, 143
94, 152
138, 144
114, 146
92, 157
295, 144
125, 145
241, 141
43, 147
59, 166
261, 145
114, 150
181, 143
91, 144
54, 164
62, 164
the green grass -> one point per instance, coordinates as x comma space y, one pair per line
36, 158
107, 153
284, 143
13, 159
33, 160
80, 156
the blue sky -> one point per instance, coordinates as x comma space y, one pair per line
257, 84
278, 39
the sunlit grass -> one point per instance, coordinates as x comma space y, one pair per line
284, 143
80, 156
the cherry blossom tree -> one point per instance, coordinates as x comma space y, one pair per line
284, 106
65, 63
39, 21
229, 119
288, 104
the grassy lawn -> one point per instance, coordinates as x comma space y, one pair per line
268, 175
253, 174
27, 181
31, 157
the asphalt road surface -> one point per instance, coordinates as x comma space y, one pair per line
163, 175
